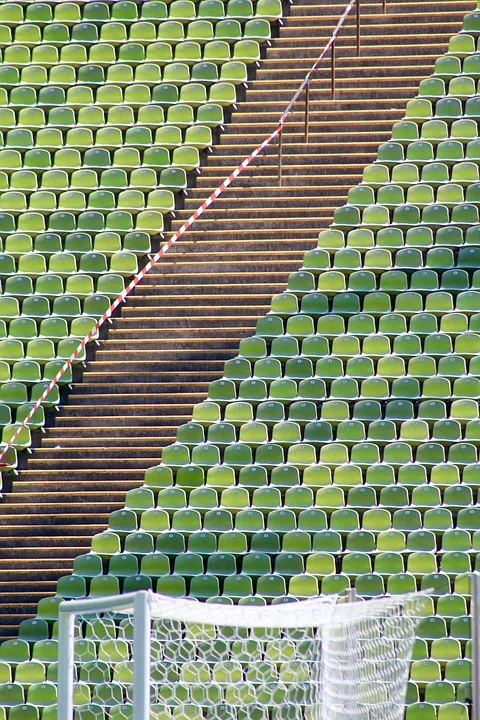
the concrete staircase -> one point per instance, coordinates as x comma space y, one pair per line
188, 315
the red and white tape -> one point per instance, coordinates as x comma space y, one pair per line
173, 239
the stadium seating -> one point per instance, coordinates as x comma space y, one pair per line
105, 108
340, 448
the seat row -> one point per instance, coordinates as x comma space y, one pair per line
200, 26
227, 43
48, 287
80, 289
449, 711
93, 117
364, 239
160, 711
332, 412
448, 109
408, 257
115, 180
292, 541
363, 275
379, 432
287, 565
131, 54
29, 371
427, 281
39, 307
346, 388
421, 152
124, 12
192, 95
302, 424
256, 539
7, 417
38, 351
139, 138
248, 518
196, 696
178, 72
395, 498
250, 532
108, 138
107, 243
305, 585
451, 66
76, 201
358, 324
376, 476
344, 345
408, 215
375, 304
17, 412
392, 196
432, 174
305, 454
194, 672
69, 160
390, 283
119, 221
287, 491
434, 131
127, 158
63, 264
448, 698
181, 12
107, 95
52, 328
461, 87
181, 115
335, 373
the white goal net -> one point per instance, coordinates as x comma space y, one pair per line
145, 656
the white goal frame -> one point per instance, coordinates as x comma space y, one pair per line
144, 605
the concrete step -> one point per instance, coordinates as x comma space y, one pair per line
138, 438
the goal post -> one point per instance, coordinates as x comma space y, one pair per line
178, 659
136, 605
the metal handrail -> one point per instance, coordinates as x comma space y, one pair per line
305, 84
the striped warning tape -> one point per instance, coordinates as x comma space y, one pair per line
173, 239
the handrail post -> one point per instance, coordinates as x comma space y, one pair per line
332, 68
384, 6
306, 130
280, 153
357, 8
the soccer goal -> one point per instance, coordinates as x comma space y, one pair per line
168, 658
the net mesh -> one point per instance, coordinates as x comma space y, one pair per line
318, 659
